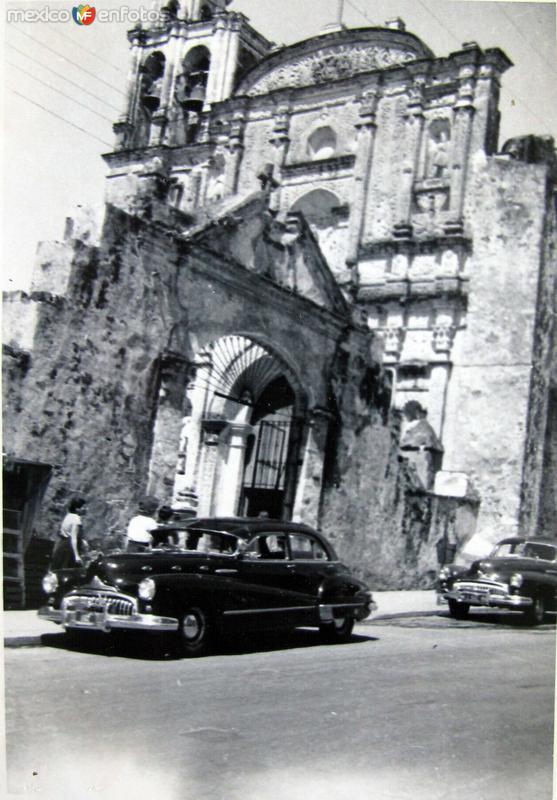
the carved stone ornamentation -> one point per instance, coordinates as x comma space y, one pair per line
443, 336
393, 338
342, 61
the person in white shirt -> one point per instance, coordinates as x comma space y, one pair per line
140, 526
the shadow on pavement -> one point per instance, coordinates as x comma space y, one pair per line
160, 647
477, 618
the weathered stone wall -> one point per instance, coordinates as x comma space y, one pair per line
538, 511
87, 401
88, 396
489, 391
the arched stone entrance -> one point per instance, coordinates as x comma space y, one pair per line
240, 438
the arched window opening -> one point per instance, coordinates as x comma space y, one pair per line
322, 143
206, 13
176, 194
170, 9
264, 481
246, 406
152, 73
319, 207
191, 85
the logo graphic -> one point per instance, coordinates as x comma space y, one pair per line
83, 15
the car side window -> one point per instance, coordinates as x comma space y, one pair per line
268, 546
305, 548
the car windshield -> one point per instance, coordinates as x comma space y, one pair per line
546, 552
196, 540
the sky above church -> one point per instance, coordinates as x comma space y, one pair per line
64, 87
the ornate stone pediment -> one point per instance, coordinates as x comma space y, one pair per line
285, 252
332, 57
324, 66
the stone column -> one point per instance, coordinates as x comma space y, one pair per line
414, 125
218, 59
124, 125
307, 506
172, 66
232, 470
158, 128
232, 51
366, 127
209, 456
462, 129
437, 396
174, 374
281, 142
235, 147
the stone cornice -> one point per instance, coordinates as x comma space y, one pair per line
408, 289
319, 166
415, 246
248, 283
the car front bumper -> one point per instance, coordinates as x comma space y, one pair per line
105, 622
485, 600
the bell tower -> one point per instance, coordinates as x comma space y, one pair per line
185, 61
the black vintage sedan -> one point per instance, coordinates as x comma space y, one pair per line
520, 574
206, 576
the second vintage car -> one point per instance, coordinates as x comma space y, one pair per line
209, 575
520, 574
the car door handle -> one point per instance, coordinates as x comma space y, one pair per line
176, 568
291, 566
226, 572
204, 569
146, 568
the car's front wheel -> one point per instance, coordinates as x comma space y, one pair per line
337, 631
194, 632
536, 613
458, 610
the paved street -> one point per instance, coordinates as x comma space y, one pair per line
415, 707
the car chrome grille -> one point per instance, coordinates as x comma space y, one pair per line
483, 588
100, 602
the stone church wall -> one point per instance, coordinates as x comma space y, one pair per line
489, 391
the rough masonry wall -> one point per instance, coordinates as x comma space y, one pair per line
487, 403
87, 401
87, 398
538, 512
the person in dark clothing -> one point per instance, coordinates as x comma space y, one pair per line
66, 550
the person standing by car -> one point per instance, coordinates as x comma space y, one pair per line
140, 526
66, 550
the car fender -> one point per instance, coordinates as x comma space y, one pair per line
174, 592
338, 588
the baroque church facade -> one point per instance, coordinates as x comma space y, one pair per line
320, 290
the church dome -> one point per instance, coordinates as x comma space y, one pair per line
332, 56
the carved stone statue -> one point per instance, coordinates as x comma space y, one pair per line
420, 445
438, 149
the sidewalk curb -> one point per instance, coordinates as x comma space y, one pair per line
36, 640
23, 641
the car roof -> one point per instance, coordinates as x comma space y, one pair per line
533, 539
246, 527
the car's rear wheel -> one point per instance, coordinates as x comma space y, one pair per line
458, 610
337, 631
194, 632
536, 613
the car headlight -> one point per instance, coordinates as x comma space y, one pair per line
50, 582
516, 580
444, 573
146, 589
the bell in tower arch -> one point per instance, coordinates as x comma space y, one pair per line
191, 85
202, 10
